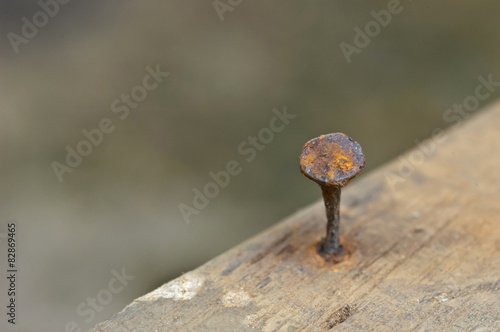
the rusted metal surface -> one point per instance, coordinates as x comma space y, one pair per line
332, 161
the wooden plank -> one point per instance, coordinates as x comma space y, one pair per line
426, 256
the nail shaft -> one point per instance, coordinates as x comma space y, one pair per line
331, 196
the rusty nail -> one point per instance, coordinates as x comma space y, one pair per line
332, 161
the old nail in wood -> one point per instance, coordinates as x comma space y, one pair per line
332, 161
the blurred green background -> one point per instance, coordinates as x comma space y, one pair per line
120, 207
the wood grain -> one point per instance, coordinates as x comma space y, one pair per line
426, 255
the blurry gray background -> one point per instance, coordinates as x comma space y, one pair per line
119, 208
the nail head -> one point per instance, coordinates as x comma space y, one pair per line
332, 160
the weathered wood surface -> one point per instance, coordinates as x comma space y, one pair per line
426, 256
